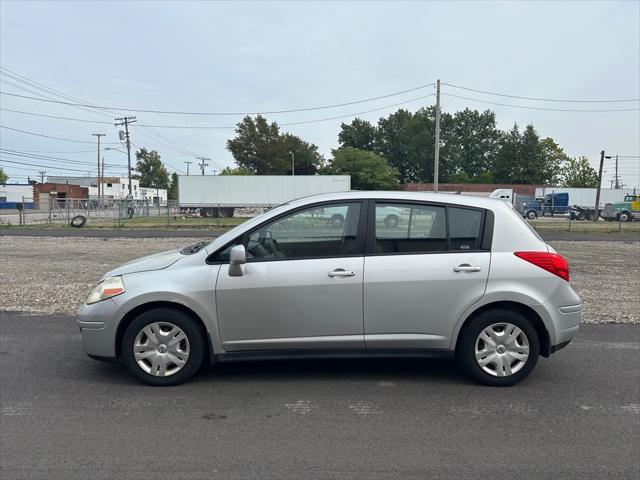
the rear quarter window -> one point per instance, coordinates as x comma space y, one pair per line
465, 228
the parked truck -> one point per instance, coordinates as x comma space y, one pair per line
577, 203
625, 211
221, 195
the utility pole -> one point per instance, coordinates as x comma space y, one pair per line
188, 163
42, 174
293, 162
203, 163
596, 212
617, 180
102, 184
98, 171
126, 121
436, 157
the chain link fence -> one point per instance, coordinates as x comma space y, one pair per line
80, 212
92, 213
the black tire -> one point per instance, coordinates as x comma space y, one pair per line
532, 215
625, 216
78, 221
392, 220
187, 324
337, 220
465, 351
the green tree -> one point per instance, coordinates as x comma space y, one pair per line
504, 165
406, 139
260, 149
525, 158
368, 170
306, 159
578, 173
472, 142
358, 134
172, 193
234, 171
151, 172
3, 176
554, 158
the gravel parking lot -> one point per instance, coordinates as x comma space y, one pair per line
45, 275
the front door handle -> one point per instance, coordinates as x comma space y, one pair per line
465, 267
341, 272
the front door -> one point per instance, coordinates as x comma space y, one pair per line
301, 287
419, 279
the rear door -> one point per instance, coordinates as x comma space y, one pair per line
422, 272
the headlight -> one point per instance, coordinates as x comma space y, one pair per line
109, 287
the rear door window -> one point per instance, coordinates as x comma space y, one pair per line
410, 228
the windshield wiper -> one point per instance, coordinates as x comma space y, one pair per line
195, 248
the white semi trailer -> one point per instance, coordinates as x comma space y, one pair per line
220, 195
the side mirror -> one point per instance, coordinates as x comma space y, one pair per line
237, 258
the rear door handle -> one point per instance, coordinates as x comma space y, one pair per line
341, 272
465, 267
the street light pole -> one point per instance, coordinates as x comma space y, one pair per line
293, 162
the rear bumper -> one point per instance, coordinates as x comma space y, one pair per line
562, 323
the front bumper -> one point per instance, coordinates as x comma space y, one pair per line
98, 324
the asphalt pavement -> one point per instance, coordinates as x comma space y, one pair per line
180, 232
65, 416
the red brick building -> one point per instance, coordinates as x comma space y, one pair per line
44, 193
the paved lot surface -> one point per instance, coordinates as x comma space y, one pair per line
214, 232
64, 416
54, 275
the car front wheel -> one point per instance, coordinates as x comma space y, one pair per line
162, 347
498, 348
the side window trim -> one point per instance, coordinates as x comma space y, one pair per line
244, 237
486, 226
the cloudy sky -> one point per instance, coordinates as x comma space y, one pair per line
265, 56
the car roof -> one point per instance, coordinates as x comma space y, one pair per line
455, 199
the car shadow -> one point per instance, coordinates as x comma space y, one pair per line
335, 370
438, 371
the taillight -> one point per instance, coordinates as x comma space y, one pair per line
551, 262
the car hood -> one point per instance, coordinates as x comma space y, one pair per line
157, 261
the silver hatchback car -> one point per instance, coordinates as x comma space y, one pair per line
450, 276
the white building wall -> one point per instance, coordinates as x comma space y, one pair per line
15, 193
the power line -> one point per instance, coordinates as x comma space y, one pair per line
54, 116
45, 166
264, 112
542, 108
53, 138
158, 137
18, 153
56, 151
542, 99
95, 109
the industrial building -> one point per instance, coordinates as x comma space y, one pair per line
115, 188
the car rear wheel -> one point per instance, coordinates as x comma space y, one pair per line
498, 348
163, 346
